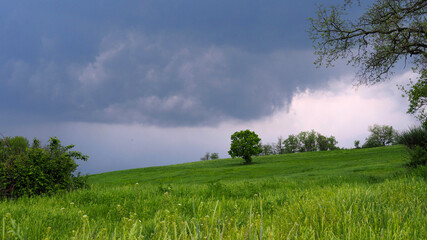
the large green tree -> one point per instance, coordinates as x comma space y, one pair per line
245, 144
387, 32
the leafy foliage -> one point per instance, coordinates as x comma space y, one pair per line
245, 144
309, 142
381, 135
332, 143
274, 148
209, 156
214, 156
417, 95
34, 170
292, 144
418, 157
416, 141
386, 33
267, 149
356, 144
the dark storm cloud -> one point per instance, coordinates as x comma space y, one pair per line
169, 63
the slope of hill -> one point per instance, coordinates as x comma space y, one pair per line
355, 164
345, 194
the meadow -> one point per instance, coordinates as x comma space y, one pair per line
343, 194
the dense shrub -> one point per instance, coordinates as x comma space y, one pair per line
416, 141
415, 136
372, 142
35, 170
418, 157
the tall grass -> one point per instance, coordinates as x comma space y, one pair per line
274, 207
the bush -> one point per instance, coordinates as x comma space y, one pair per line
371, 143
34, 170
418, 157
415, 136
416, 141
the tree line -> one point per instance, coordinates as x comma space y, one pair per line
209, 156
305, 141
246, 143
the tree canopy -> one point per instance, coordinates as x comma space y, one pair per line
388, 32
245, 144
381, 135
309, 141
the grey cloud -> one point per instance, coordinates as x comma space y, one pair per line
152, 80
168, 63
158, 80
32, 30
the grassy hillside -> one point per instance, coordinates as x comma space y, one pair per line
354, 165
346, 194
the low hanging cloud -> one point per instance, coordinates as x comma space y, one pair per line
161, 81
161, 63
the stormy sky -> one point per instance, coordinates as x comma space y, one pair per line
144, 83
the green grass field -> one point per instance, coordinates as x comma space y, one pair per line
344, 194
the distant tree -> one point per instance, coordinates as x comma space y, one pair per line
205, 157
332, 143
279, 147
245, 144
356, 143
214, 156
307, 141
267, 149
302, 139
292, 144
381, 135
322, 142
371, 142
